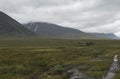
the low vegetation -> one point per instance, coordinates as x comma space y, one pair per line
28, 58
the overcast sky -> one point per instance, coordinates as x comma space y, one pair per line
101, 16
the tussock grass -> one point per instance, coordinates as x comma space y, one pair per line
29, 58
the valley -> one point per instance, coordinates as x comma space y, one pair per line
38, 58
40, 50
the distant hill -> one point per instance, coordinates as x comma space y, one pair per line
105, 35
56, 31
10, 27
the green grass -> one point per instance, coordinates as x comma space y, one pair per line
35, 58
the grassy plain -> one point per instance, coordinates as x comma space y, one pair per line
36, 58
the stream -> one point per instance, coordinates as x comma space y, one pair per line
114, 67
111, 73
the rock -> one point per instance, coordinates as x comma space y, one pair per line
76, 74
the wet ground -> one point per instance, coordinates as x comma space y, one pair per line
114, 67
111, 73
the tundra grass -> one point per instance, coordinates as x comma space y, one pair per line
36, 58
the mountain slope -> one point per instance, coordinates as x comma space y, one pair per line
56, 31
104, 35
9, 26
52, 30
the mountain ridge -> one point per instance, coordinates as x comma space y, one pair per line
54, 30
9, 26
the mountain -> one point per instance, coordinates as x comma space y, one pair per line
105, 35
56, 31
10, 27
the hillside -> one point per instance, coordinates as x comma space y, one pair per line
9, 26
56, 31
105, 35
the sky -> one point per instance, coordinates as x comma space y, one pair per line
101, 16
